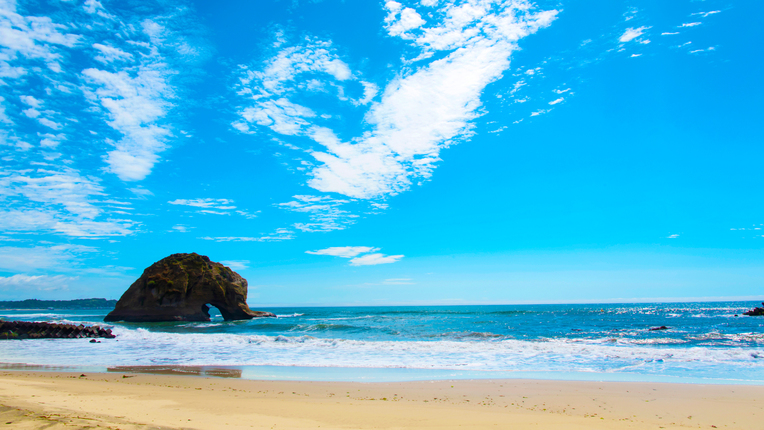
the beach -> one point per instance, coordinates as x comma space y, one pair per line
32, 400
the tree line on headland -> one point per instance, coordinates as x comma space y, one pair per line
59, 304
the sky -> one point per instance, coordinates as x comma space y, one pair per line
384, 153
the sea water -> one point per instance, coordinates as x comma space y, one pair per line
704, 342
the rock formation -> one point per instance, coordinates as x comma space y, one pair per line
45, 330
756, 312
179, 288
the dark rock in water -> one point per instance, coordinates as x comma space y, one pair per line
44, 330
663, 327
756, 312
179, 288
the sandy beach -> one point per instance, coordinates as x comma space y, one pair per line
36, 400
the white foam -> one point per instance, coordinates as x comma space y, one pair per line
143, 347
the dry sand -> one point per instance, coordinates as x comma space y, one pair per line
37, 400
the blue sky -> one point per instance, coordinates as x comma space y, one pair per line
439, 152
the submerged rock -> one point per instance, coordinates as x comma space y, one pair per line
179, 288
756, 312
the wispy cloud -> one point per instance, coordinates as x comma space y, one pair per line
17, 259
344, 251
277, 236
219, 204
133, 85
706, 14
324, 213
709, 49
236, 264
94, 78
60, 201
369, 258
214, 207
36, 282
374, 259
631, 34
420, 112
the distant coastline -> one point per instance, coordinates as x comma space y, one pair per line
34, 304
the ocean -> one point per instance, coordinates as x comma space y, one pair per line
703, 343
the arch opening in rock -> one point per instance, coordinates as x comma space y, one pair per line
211, 310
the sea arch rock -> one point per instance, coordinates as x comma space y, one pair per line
179, 288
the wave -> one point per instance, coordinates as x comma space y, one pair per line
289, 315
144, 347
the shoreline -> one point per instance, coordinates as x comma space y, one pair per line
133, 400
372, 374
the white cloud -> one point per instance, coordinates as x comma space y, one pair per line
60, 201
248, 215
370, 257
421, 111
31, 113
3, 116
48, 123
324, 213
277, 236
710, 48
30, 101
207, 211
236, 264
673, 236
140, 192
110, 54
181, 228
399, 20
120, 101
30, 38
213, 206
705, 14
37, 283
51, 141
374, 259
554, 102
344, 251
669, 33
133, 88
57, 257
691, 24
64, 187
133, 104
219, 204
631, 34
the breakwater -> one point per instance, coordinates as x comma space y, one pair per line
44, 330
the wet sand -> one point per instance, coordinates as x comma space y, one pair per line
61, 400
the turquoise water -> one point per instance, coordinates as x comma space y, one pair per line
704, 342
